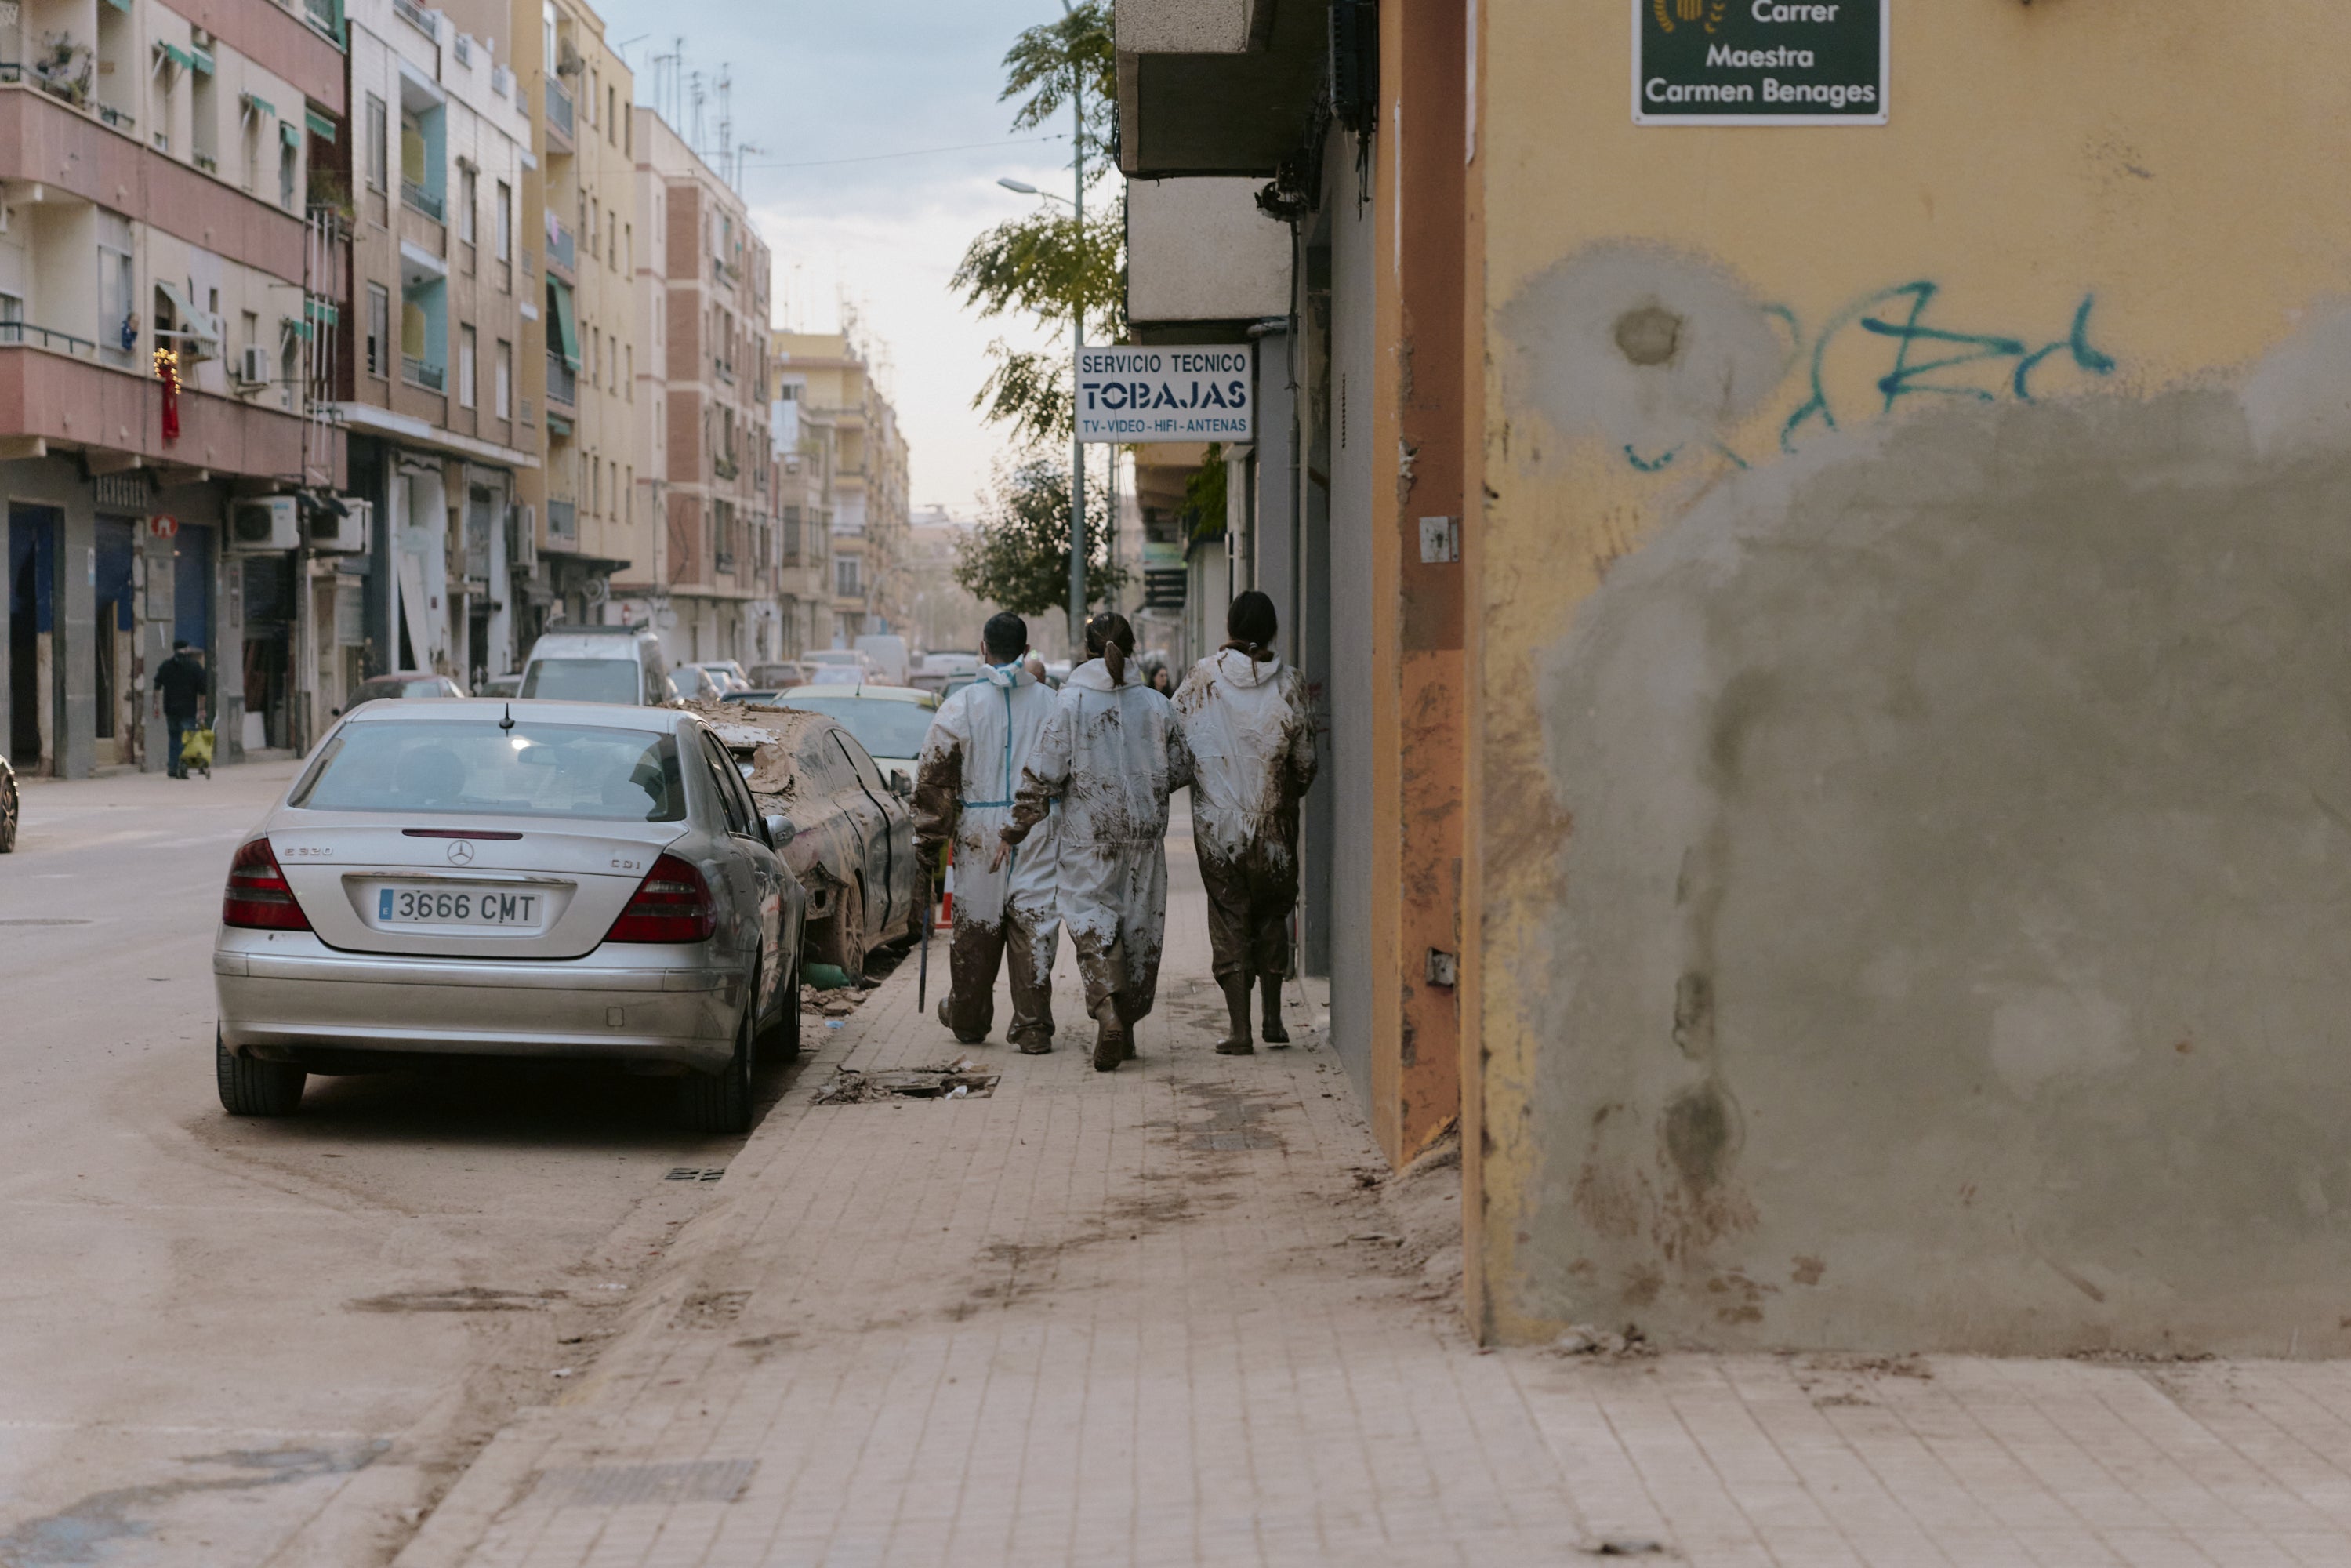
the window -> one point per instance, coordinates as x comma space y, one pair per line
288, 167
505, 222
466, 367
844, 576
630, 351
612, 115
379, 143
629, 245
467, 194
378, 330
506, 379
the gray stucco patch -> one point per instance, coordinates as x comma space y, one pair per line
1953, 949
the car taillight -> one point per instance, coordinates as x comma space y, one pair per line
257, 898
672, 905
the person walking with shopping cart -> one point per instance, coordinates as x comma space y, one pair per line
185, 689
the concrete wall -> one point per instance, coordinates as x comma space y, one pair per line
1912, 851
1200, 250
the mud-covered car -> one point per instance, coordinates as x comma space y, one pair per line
852, 846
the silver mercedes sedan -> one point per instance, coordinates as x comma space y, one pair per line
529, 879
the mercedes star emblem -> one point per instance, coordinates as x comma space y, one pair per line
461, 854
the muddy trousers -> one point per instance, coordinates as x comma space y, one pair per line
1249, 903
1025, 945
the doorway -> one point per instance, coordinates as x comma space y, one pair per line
111, 643
32, 638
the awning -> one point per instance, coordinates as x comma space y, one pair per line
203, 61
558, 426
256, 104
320, 311
122, 5
320, 126
291, 132
566, 337
292, 327
178, 57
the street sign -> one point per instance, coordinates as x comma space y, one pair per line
1187, 392
1759, 62
1164, 590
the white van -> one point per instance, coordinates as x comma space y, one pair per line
598, 665
888, 651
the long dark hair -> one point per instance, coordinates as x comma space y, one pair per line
1110, 639
1252, 625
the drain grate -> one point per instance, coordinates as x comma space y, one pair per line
851, 1087
625, 1486
695, 1173
51, 920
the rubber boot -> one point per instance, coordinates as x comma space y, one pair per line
1236, 1040
1275, 1034
946, 1021
1110, 1040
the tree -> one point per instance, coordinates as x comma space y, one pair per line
1017, 559
1042, 265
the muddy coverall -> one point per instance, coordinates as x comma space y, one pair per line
1112, 754
972, 760
1251, 733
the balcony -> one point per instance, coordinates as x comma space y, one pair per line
416, 198
558, 113
726, 560
562, 382
206, 162
417, 17
122, 119
561, 246
723, 466
417, 374
326, 17
53, 389
725, 369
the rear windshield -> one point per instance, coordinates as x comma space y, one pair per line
883, 728
583, 681
430, 686
479, 769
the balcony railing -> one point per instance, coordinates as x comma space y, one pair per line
725, 560
559, 108
561, 245
327, 15
723, 466
207, 163
562, 382
416, 372
726, 370
122, 119
562, 519
418, 17
43, 338
412, 194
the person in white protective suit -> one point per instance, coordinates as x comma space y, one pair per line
1111, 753
1251, 733
972, 762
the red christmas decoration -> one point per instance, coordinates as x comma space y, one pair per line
167, 370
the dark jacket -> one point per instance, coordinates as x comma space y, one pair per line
183, 684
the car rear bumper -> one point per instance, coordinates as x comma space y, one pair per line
281, 993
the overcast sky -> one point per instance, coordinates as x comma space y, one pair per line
815, 82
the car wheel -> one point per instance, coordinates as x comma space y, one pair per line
720, 1102
8, 809
781, 1040
251, 1088
844, 934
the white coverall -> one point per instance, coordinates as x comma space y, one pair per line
979, 744
1251, 733
1112, 754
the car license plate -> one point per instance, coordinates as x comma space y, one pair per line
490, 906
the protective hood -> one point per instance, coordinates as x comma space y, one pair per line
1240, 670
1007, 676
1093, 676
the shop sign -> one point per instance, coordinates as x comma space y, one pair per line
1205, 392
163, 528
1759, 62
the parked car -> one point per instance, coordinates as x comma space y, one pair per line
539, 879
598, 665
499, 687
889, 722
827, 664
729, 673
405, 684
11, 807
852, 846
888, 651
777, 677
702, 684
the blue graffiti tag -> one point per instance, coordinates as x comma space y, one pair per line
1946, 351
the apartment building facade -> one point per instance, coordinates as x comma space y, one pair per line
163, 280
440, 144
831, 376
711, 582
805, 444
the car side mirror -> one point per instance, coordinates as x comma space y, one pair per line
900, 785
780, 831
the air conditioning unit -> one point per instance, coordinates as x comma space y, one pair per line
522, 546
253, 366
272, 522
346, 535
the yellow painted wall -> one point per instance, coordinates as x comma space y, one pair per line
2125, 203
